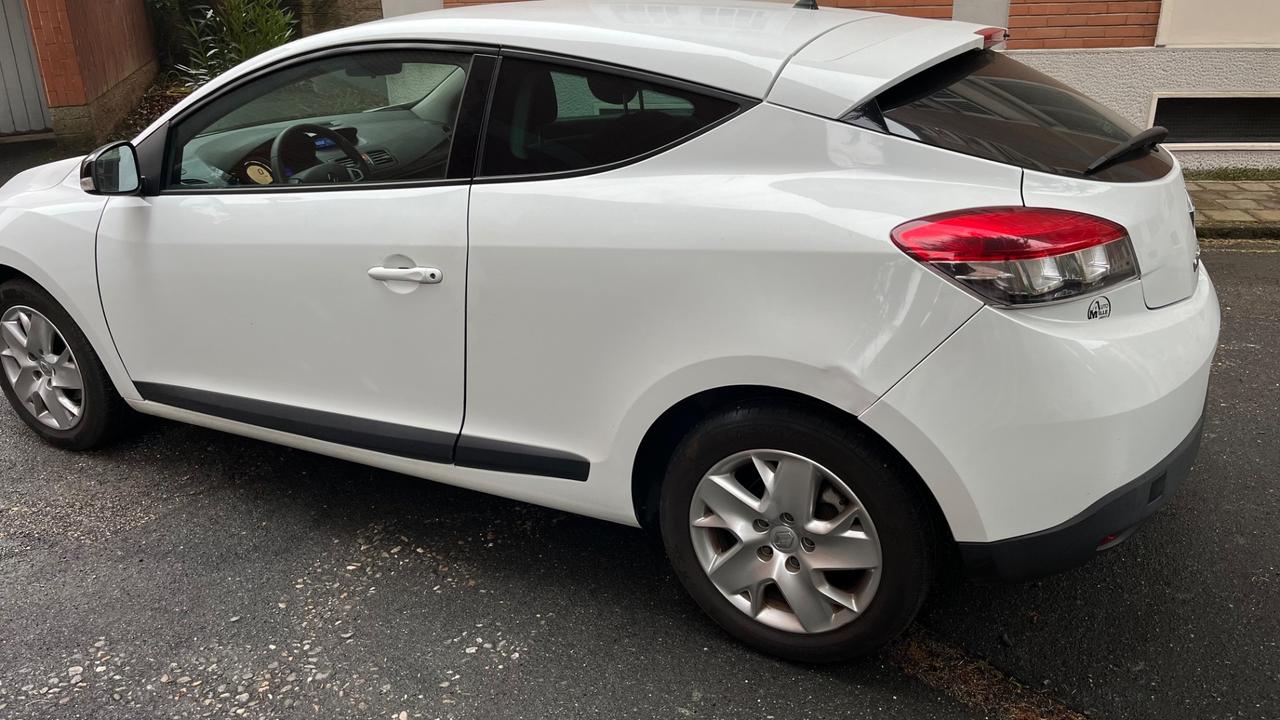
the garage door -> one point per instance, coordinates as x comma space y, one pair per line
22, 100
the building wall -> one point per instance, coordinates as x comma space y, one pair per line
1129, 80
1034, 23
1203, 22
56, 51
1082, 23
112, 39
319, 15
97, 58
392, 8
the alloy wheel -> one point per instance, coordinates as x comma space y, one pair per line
785, 541
40, 368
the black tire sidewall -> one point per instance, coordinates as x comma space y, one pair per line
99, 398
896, 511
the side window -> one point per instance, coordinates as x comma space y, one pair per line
365, 117
549, 118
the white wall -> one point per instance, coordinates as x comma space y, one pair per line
1127, 81
1219, 22
391, 8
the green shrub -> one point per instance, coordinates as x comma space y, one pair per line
220, 36
168, 23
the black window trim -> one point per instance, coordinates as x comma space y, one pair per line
155, 150
743, 103
480, 76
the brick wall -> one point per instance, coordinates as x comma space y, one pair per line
1035, 23
319, 15
87, 47
113, 41
939, 9
97, 57
56, 51
1082, 23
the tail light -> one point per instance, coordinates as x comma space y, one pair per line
1020, 255
992, 37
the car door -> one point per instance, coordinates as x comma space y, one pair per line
301, 263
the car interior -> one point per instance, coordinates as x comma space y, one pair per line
275, 138
548, 119
390, 116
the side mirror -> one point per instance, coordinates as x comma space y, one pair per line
111, 170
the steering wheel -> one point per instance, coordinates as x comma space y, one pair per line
331, 172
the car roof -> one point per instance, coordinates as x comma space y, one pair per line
820, 61
733, 45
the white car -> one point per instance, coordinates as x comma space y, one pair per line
829, 298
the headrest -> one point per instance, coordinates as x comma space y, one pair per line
542, 98
612, 90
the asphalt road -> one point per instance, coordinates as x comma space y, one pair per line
1183, 620
186, 573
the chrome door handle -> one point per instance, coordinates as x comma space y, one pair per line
423, 275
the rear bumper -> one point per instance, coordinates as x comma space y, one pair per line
1105, 524
1025, 423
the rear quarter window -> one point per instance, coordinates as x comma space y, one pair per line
547, 118
987, 104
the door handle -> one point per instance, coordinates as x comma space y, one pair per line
423, 275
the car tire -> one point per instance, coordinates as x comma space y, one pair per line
101, 411
883, 491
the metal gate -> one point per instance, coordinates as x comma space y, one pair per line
22, 99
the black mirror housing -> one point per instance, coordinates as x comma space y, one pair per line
111, 170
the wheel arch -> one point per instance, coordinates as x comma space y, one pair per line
665, 433
90, 319
8, 272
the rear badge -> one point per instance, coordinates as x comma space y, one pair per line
1100, 308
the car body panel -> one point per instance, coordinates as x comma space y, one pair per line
601, 301
1024, 418
47, 232
1157, 215
577, 310
558, 493
267, 296
852, 63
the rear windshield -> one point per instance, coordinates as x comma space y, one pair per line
986, 104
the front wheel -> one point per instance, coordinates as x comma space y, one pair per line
50, 374
794, 535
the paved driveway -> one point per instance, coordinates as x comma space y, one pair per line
185, 573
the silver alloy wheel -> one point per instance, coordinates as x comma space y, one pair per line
41, 368
785, 540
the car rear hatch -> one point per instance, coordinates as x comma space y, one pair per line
1156, 214
933, 83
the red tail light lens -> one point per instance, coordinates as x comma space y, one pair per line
992, 37
1019, 255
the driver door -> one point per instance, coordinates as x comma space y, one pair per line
301, 264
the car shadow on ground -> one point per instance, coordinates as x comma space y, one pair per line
617, 566
1100, 638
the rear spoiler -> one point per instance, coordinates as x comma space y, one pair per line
853, 63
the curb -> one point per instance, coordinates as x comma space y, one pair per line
1239, 231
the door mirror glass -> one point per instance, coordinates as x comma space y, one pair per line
111, 170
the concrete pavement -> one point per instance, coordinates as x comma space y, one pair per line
1237, 209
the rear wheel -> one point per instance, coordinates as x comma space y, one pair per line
50, 373
794, 535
